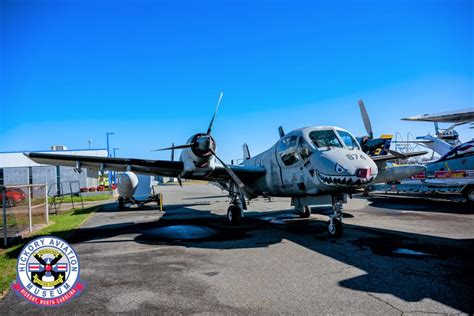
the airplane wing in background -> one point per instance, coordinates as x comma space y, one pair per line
143, 166
381, 160
458, 116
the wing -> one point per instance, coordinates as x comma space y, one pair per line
458, 116
415, 141
381, 160
152, 167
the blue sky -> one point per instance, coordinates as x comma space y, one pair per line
151, 71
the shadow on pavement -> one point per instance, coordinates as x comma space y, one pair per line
409, 266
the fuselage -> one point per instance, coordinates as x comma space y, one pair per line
313, 161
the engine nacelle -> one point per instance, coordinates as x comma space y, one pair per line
127, 184
397, 173
199, 160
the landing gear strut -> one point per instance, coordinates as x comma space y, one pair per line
335, 220
235, 211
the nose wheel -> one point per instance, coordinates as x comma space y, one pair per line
234, 214
334, 227
305, 212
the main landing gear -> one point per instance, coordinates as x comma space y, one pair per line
235, 212
335, 219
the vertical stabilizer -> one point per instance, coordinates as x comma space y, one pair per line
246, 151
281, 131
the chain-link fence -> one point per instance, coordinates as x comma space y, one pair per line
24, 209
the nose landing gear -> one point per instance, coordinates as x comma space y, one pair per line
334, 227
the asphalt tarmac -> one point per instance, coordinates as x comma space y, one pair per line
397, 256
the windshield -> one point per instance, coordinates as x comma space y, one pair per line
348, 139
326, 138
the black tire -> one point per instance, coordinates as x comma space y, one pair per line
335, 230
234, 214
306, 212
121, 203
469, 195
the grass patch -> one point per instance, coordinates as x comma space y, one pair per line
61, 226
99, 197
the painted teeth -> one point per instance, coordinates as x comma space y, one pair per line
344, 180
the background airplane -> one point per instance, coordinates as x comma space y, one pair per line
445, 139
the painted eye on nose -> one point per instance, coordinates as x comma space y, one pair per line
339, 169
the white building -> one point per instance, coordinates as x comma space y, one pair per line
17, 169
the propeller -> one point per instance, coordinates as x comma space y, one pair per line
229, 171
172, 152
201, 143
174, 147
370, 143
215, 113
365, 118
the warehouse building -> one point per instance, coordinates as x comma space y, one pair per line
17, 169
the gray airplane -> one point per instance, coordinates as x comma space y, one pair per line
312, 166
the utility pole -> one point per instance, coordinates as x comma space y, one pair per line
115, 173
108, 154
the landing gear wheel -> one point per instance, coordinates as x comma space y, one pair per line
234, 214
306, 212
121, 203
335, 228
469, 194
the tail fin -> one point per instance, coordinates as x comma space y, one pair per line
382, 149
281, 131
245, 147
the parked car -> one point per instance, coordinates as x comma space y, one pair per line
13, 196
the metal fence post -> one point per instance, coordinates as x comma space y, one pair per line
29, 209
4, 203
46, 201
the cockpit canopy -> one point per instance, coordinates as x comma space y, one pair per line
299, 146
463, 150
333, 138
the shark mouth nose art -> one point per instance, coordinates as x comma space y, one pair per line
343, 180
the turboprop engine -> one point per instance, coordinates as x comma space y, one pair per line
127, 184
199, 151
198, 158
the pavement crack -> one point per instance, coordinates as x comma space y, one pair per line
385, 302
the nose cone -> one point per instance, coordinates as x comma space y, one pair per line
340, 167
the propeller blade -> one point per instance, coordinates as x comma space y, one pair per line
172, 151
229, 171
396, 154
179, 181
215, 113
174, 147
365, 118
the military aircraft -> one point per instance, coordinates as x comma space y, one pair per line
370, 145
375, 147
445, 139
312, 165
